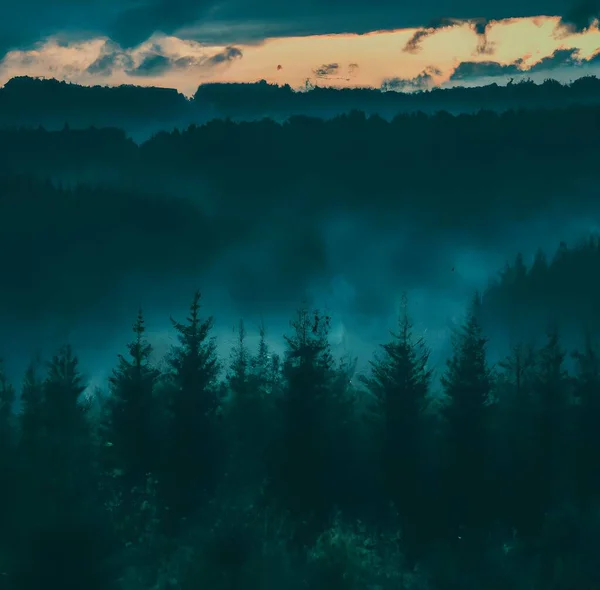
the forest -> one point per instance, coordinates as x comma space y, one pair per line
459, 451
267, 471
50, 102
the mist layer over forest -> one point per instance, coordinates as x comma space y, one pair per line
346, 213
292, 450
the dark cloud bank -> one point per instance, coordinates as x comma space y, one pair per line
236, 21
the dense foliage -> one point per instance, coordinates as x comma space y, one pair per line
267, 472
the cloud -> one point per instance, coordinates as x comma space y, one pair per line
560, 58
423, 81
156, 63
478, 25
326, 70
334, 71
580, 17
130, 22
469, 70
228, 54
111, 58
413, 45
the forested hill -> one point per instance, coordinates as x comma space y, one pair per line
32, 101
354, 157
272, 208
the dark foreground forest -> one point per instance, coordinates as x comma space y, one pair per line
462, 463
261, 472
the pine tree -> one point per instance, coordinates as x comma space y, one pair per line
515, 495
31, 415
238, 377
554, 471
131, 426
130, 437
265, 367
7, 422
587, 393
467, 386
303, 454
64, 410
249, 413
399, 383
194, 441
552, 388
8, 471
64, 531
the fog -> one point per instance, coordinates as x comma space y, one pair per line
359, 281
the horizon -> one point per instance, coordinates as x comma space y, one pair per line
468, 51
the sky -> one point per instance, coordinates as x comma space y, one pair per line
183, 43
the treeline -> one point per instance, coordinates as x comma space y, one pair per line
31, 101
354, 158
564, 288
269, 472
263, 99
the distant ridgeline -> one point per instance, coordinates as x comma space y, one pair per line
349, 157
33, 101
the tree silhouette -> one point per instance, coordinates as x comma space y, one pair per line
515, 494
194, 451
62, 526
8, 465
400, 382
467, 385
587, 392
304, 450
553, 390
131, 428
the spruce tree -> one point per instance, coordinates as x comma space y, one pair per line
194, 452
249, 412
553, 391
265, 367
238, 376
65, 539
399, 383
8, 464
467, 385
515, 495
130, 437
68, 436
303, 461
587, 394
31, 415
554, 468
7, 401
131, 421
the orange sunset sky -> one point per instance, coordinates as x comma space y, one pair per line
336, 59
